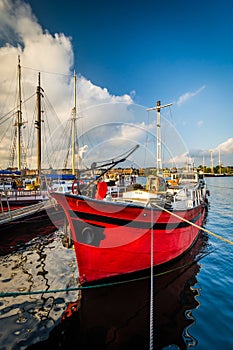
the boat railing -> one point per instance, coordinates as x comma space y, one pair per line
3, 195
23, 193
192, 195
6, 216
116, 191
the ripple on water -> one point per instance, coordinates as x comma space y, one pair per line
27, 319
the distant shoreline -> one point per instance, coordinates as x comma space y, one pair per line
218, 175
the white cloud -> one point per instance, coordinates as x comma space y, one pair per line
189, 95
226, 147
107, 123
90, 94
179, 160
224, 150
52, 55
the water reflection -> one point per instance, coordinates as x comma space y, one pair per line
17, 233
118, 316
25, 320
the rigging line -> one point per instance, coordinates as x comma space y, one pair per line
53, 147
59, 149
146, 143
11, 115
48, 140
66, 136
73, 289
195, 225
126, 153
68, 149
59, 143
2, 122
5, 132
11, 82
52, 108
111, 165
12, 147
170, 115
46, 158
43, 71
14, 110
31, 138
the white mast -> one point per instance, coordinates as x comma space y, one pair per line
211, 161
159, 157
73, 129
19, 117
219, 162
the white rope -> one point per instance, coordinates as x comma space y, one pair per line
195, 225
152, 282
152, 259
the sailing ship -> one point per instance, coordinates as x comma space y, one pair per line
21, 204
137, 230
20, 192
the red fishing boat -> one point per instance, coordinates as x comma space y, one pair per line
129, 234
142, 227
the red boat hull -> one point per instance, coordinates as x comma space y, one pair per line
112, 239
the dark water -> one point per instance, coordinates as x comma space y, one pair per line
192, 304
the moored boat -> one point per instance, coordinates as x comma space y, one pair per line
119, 237
16, 190
24, 198
139, 229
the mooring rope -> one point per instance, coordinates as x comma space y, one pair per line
195, 225
79, 288
152, 281
66, 290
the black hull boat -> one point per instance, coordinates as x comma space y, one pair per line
27, 223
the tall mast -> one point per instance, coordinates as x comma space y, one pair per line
159, 157
219, 162
19, 117
73, 129
38, 125
211, 161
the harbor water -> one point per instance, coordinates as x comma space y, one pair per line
190, 307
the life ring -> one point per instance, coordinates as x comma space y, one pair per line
72, 189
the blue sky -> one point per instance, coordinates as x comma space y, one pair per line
176, 51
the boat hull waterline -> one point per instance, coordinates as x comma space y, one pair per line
112, 239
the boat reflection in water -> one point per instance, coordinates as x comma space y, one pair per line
117, 316
17, 232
